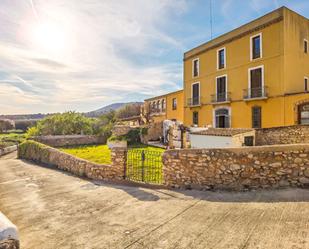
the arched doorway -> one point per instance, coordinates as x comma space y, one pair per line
222, 118
303, 114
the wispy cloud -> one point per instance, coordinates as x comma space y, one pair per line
79, 55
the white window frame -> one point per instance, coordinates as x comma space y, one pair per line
226, 84
214, 114
305, 41
249, 78
261, 46
224, 49
306, 78
173, 104
199, 90
198, 67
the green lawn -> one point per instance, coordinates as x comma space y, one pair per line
101, 154
148, 171
11, 139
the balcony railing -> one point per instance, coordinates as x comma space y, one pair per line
221, 97
196, 101
255, 93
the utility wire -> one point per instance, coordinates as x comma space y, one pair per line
211, 21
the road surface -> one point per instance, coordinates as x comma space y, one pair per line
54, 210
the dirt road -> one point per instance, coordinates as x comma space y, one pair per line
55, 210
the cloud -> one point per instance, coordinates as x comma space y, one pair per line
112, 52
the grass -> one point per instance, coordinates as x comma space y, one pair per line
11, 139
150, 171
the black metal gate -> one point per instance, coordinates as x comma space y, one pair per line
144, 166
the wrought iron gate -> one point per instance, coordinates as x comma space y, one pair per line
144, 166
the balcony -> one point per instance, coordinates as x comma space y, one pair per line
255, 93
192, 102
220, 98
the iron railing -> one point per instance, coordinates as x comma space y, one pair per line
253, 93
144, 166
195, 101
221, 97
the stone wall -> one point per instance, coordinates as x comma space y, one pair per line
282, 135
9, 244
238, 168
69, 140
44, 154
121, 130
8, 150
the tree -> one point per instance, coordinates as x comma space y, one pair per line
6, 124
129, 110
68, 123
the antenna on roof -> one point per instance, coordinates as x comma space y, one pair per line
210, 12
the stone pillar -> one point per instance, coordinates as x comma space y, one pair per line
119, 161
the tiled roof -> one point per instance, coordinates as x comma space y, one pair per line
224, 132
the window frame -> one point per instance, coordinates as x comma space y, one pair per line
174, 101
198, 67
261, 46
305, 46
218, 59
226, 84
252, 117
306, 81
193, 118
199, 91
263, 77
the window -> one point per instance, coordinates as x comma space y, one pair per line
249, 141
158, 105
221, 58
221, 89
195, 118
163, 105
196, 67
306, 84
303, 114
256, 47
222, 118
305, 46
256, 117
195, 94
256, 82
174, 104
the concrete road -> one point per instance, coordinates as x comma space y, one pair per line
55, 210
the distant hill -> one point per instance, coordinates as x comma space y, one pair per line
105, 109
96, 113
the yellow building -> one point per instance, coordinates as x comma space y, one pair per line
169, 106
254, 76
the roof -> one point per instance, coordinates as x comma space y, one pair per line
164, 95
257, 24
224, 132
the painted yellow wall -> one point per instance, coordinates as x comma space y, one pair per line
169, 112
285, 66
178, 113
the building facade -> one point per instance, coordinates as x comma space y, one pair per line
169, 106
254, 76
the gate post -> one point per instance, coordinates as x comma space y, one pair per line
119, 161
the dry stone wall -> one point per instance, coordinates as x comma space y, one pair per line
41, 153
295, 134
70, 140
238, 168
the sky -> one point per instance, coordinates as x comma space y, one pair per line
61, 55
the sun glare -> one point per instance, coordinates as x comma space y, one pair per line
50, 38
